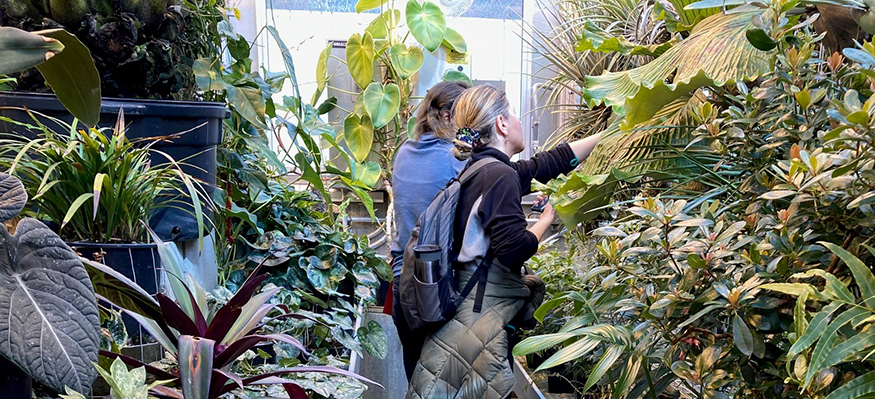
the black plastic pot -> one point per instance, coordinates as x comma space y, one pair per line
14, 383
138, 262
199, 123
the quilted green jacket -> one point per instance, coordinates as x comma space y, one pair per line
467, 357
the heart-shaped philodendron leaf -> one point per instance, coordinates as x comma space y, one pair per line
12, 197
427, 23
365, 5
379, 28
455, 41
381, 102
407, 60
49, 323
360, 58
359, 134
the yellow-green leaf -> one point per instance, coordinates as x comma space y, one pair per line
365, 5
380, 27
360, 58
455, 41
407, 60
98, 183
322, 68
381, 102
359, 135
689, 64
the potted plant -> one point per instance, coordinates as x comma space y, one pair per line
44, 292
96, 185
206, 340
143, 52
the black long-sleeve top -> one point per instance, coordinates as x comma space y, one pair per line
502, 186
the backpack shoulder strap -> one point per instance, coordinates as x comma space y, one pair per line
476, 167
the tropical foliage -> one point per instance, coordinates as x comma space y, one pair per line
96, 183
142, 49
733, 263
43, 289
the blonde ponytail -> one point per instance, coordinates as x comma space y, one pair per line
475, 112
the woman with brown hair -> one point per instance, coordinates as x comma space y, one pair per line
468, 358
423, 166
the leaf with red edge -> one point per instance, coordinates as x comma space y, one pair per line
233, 351
220, 381
176, 317
163, 392
228, 314
198, 314
295, 391
158, 373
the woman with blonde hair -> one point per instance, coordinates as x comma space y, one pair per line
468, 358
423, 166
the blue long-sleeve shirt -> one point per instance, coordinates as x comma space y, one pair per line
422, 168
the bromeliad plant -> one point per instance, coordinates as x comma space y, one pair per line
95, 183
205, 341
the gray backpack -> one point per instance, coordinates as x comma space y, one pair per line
427, 287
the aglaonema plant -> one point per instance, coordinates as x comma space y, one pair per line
48, 313
204, 341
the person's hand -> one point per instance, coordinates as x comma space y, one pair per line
548, 213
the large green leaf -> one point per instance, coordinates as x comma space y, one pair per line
716, 52
368, 173
860, 387
427, 23
287, 58
381, 102
373, 339
20, 50
815, 329
644, 148
596, 39
579, 348
248, 102
380, 27
407, 60
455, 41
12, 197
862, 275
48, 312
742, 336
360, 58
829, 339
604, 364
541, 342
73, 77
359, 135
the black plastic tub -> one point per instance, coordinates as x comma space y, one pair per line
138, 262
199, 125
